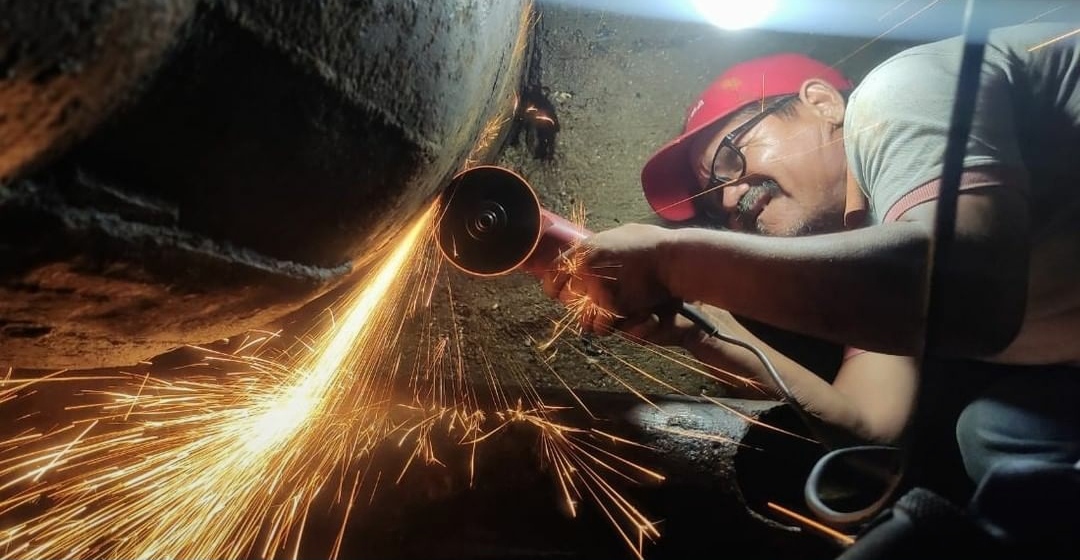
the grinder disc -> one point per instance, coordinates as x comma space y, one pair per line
489, 222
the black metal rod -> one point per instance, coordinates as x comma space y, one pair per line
942, 245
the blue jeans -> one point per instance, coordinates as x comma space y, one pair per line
1032, 414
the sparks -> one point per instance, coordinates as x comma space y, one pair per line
1049, 42
206, 467
229, 458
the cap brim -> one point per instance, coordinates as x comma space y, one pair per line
668, 180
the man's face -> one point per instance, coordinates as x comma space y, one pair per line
793, 181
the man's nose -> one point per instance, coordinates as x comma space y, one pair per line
732, 194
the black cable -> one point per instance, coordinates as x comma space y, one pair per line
698, 319
813, 483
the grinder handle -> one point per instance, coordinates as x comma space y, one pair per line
556, 235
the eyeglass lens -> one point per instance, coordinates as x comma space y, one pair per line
727, 165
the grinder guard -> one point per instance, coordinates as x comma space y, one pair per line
491, 223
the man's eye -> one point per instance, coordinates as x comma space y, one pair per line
726, 163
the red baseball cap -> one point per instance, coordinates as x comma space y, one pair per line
667, 178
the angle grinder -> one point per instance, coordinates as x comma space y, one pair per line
491, 223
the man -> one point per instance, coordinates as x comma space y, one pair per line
782, 146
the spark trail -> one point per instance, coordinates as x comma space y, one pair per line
210, 468
230, 461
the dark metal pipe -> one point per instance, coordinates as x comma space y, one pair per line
720, 468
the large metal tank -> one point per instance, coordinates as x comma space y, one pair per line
179, 171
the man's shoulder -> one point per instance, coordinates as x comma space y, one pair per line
1006, 45
901, 86
913, 65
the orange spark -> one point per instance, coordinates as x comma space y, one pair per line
1054, 40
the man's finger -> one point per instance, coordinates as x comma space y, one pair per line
602, 318
573, 290
641, 327
603, 324
554, 282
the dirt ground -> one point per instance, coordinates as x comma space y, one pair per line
619, 85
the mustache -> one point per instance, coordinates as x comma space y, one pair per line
744, 209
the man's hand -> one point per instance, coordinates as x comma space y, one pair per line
618, 272
663, 328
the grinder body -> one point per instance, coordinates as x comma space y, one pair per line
556, 235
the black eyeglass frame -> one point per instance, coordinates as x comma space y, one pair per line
728, 141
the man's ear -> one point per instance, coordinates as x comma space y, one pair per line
824, 100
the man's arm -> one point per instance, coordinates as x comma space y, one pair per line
870, 399
865, 287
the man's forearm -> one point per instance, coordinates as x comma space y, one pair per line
866, 288
863, 289
813, 393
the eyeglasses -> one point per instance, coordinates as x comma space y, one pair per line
728, 162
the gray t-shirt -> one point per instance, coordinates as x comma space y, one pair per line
1028, 106
1027, 123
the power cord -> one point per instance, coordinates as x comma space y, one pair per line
814, 482
698, 319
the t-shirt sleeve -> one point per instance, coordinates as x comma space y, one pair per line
897, 124
851, 352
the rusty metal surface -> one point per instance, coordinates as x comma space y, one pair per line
66, 64
178, 172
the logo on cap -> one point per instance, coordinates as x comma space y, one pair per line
731, 83
697, 107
